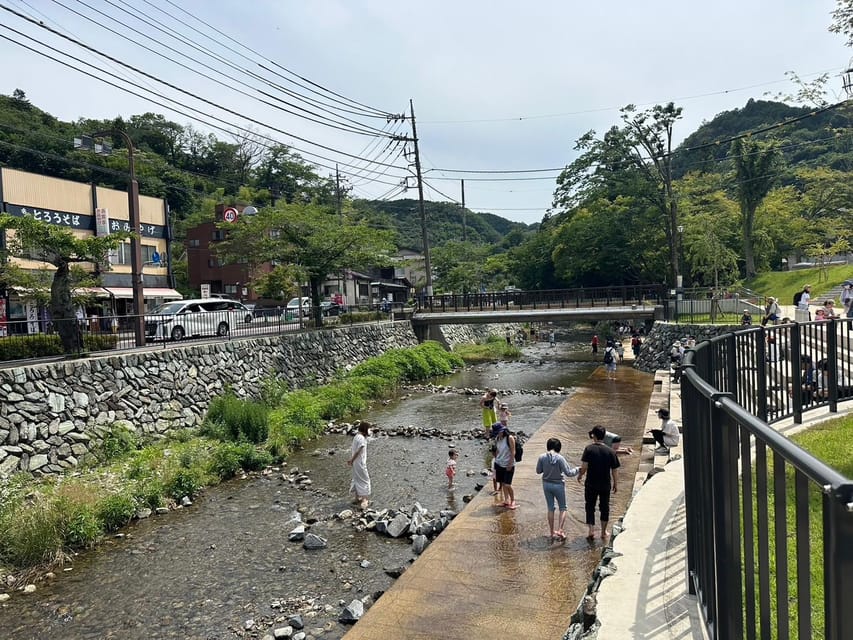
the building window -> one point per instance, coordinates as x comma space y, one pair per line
212, 262
231, 289
122, 254
219, 234
194, 243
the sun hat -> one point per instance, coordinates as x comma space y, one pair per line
504, 405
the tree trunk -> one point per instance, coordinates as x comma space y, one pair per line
62, 310
748, 254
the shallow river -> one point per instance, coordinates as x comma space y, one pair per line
206, 571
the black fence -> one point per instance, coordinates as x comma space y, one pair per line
769, 526
33, 339
582, 297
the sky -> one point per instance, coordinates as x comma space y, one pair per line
497, 85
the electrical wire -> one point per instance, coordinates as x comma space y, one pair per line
146, 19
331, 124
600, 109
346, 106
379, 112
172, 108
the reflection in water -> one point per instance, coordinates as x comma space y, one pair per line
203, 572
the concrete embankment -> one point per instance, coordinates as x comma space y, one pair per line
495, 572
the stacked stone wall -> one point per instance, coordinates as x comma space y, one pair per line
654, 354
51, 414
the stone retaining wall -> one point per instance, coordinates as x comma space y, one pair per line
50, 414
455, 334
654, 354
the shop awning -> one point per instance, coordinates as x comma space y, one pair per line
148, 292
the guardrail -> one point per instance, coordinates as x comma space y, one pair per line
34, 339
581, 297
765, 518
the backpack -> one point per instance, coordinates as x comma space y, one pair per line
519, 448
608, 356
797, 297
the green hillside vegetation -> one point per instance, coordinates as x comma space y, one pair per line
784, 284
445, 223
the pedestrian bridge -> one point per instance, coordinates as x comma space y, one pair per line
581, 304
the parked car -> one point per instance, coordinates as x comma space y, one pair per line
199, 317
332, 308
291, 311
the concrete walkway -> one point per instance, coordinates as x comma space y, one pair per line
647, 597
495, 572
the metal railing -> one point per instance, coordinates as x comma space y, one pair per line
765, 518
577, 298
38, 339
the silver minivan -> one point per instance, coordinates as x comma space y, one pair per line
200, 317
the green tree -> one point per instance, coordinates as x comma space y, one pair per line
315, 241
754, 164
842, 20
59, 247
460, 266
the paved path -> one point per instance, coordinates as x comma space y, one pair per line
494, 572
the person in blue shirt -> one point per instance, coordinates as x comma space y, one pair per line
554, 469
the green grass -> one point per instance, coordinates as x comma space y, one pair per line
784, 284
830, 442
495, 348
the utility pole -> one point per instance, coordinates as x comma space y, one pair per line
424, 233
464, 224
338, 191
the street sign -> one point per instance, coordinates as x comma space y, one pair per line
230, 214
205, 291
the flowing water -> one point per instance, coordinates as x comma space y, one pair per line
207, 571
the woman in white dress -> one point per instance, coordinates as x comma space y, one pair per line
358, 461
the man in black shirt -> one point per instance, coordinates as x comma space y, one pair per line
598, 464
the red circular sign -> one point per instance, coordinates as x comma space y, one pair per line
230, 214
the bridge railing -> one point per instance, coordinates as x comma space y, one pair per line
581, 297
769, 525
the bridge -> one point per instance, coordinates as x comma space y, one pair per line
641, 302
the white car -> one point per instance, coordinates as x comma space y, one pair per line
201, 317
291, 311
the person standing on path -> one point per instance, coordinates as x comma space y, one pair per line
599, 464
552, 338
554, 469
360, 484
610, 356
594, 346
487, 404
505, 465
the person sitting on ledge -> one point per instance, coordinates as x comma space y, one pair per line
668, 435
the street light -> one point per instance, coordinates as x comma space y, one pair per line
88, 142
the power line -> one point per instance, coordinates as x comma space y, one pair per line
172, 108
379, 112
601, 109
366, 130
348, 106
628, 162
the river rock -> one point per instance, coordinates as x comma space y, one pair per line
346, 514
395, 572
398, 526
296, 622
352, 612
419, 543
297, 534
313, 541
299, 636
186, 502
282, 632
143, 513
4, 597
30, 588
